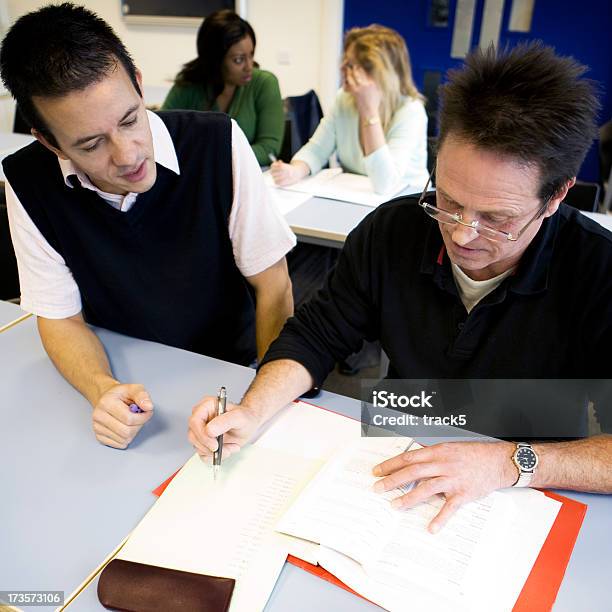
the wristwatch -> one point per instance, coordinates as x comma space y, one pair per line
526, 460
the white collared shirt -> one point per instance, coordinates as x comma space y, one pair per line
259, 234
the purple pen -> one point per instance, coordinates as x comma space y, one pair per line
134, 408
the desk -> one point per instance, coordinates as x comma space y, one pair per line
328, 222
9, 313
601, 218
68, 501
9, 143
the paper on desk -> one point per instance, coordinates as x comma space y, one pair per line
225, 528
286, 200
385, 551
335, 184
321, 431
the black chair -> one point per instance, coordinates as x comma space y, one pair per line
302, 115
9, 279
605, 164
432, 152
584, 196
20, 125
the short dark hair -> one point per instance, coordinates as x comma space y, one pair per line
218, 32
526, 103
56, 50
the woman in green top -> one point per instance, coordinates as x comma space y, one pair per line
224, 78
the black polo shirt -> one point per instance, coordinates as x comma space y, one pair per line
552, 319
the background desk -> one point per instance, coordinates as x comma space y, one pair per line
328, 222
9, 143
9, 313
68, 501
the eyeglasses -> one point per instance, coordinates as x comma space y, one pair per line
490, 233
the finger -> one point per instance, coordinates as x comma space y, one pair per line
119, 429
224, 422
110, 442
205, 409
102, 431
228, 450
120, 411
203, 412
133, 393
423, 491
350, 79
360, 75
448, 509
197, 445
418, 471
409, 457
143, 401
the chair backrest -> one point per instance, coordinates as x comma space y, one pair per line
432, 152
583, 196
20, 126
9, 279
304, 112
431, 85
605, 164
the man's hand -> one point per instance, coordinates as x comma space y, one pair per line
113, 422
238, 425
462, 471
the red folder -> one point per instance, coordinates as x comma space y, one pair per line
541, 588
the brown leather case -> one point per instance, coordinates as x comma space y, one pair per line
136, 587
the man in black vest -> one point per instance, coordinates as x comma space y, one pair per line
155, 226
491, 277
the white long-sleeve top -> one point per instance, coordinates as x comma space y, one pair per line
403, 159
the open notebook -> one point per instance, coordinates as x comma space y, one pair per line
479, 561
227, 528
335, 184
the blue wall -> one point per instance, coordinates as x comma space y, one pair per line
583, 30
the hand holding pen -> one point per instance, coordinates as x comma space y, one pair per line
231, 427
217, 455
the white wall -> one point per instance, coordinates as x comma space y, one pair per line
292, 38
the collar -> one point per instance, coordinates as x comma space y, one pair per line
163, 152
531, 274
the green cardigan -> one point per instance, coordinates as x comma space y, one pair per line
257, 107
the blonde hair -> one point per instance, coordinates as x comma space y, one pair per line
383, 54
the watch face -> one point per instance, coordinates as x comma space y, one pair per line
526, 458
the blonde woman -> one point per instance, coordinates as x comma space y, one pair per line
378, 125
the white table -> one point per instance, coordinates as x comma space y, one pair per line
9, 313
67, 501
601, 218
9, 143
328, 222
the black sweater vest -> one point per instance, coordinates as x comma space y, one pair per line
164, 270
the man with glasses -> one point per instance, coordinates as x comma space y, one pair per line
498, 280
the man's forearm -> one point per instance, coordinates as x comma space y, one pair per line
78, 354
277, 384
271, 312
582, 465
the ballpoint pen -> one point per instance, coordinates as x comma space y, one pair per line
272, 157
219, 452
